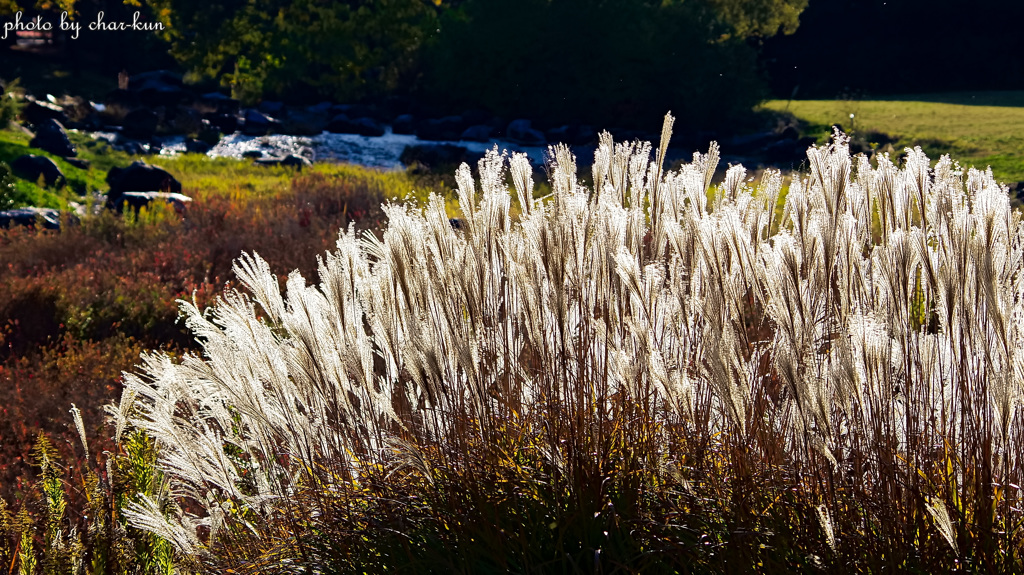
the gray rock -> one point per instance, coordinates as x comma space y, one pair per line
139, 177
38, 111
478, 133
272, 108
132, 148
446, 128
352, 110
182, 120
78, 163
47, 218
194, 146
341, 124
474, 117
138, 200
436, 156
140, 123
31, 167
52, 137
321, 108
522, 132
208, 133
257, 123
404, 124
296, 161
291, 161
302, 122
790, 132
226, 123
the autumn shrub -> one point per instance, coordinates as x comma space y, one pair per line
653, 375
77, 307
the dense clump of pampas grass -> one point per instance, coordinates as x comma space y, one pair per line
655, 374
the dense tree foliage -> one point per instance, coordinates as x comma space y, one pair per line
536, 56
851, 47
599, 61
617, 61
299, 49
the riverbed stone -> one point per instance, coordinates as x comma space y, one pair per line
521, 131
52, 137
403, 124
32, 167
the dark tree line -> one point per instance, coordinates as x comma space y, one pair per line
562, 60
879, 47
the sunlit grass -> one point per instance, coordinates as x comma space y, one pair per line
978, 128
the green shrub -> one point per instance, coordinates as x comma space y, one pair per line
608, 61
10, 106
8, 194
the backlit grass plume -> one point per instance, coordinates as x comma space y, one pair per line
653, 373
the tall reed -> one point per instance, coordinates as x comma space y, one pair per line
655, 374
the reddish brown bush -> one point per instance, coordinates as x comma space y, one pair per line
77, 307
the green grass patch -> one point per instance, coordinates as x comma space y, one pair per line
978, 129
202, 176
79, 182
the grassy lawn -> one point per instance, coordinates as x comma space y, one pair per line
977, 128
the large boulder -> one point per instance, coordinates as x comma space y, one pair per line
183, 120
226, 123
403, 124
195, 146
37, 111
478, 133
437, 156
446, 128
159, 88
256, 123
31, 167
81, 114
341, 124
474, 117
290, 161
140, 123
302, 122
208, 133
353, 110
52, 137
522, 132
272, 108
139, 177
47, 218
138, 200
321, 108
572, 134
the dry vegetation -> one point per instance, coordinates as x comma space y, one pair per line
655, 375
